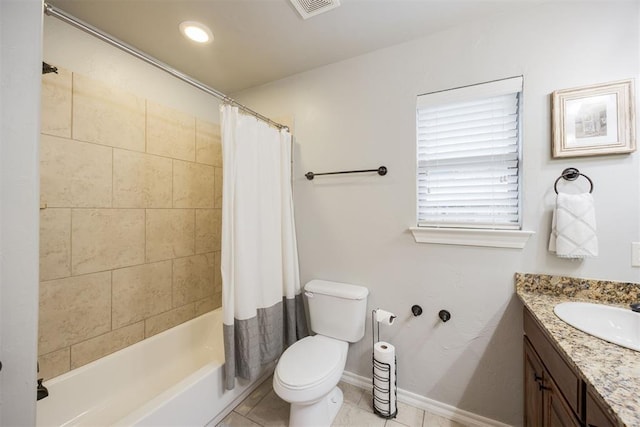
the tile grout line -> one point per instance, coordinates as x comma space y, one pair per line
146, 125
73, 78
113, 177
172, 282
111, 300
257, 403
71, 134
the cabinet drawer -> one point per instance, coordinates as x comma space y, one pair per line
564, 377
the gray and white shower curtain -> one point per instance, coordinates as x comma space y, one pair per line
261, 300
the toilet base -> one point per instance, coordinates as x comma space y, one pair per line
321, 413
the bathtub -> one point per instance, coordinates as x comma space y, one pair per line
174, 378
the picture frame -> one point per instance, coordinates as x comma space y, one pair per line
594, 120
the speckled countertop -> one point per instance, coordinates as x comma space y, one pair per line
613, 371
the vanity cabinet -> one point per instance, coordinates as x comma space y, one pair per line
554, 393
544, 403
533, 377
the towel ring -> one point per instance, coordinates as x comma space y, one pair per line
571, 174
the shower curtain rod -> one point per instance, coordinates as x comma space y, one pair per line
89, 29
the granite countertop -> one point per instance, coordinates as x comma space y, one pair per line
612, 371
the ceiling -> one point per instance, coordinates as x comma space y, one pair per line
258, 41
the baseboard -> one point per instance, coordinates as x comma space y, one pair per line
430, 405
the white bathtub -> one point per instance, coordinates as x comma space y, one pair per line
174, 378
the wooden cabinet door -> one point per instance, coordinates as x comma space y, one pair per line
557, 412
544, 405
596, 415
566, 380
533, 377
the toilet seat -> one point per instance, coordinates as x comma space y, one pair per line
310, 368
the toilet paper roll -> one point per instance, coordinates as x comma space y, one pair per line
385, 317
384, 378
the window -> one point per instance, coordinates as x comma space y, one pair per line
469, 143
469, 157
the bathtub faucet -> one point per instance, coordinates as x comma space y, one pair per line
42, 390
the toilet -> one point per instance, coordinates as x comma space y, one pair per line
308, 372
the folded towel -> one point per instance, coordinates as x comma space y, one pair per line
573, 228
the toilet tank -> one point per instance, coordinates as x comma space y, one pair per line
337, 310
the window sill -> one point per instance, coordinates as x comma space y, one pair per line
515, 239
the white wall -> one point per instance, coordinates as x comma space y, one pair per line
20, 44
360, 113
68, 47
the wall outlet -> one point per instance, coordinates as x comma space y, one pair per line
635, 254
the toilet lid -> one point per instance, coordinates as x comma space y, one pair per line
309, 361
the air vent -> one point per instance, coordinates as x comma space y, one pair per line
309, 8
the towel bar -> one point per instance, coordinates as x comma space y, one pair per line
382, 171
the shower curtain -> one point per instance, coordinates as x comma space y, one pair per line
261, 300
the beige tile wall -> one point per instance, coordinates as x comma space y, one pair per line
130, 220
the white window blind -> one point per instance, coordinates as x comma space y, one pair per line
468, 156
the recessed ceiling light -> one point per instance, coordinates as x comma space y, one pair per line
196, 31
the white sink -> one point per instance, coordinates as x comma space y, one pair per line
616, 325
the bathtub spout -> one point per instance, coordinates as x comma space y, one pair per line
42, 390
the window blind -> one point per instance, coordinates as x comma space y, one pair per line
468, 156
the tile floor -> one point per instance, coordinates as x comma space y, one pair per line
264, 408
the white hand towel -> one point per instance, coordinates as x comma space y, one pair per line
573, 228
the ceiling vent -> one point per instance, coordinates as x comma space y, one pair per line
309, 8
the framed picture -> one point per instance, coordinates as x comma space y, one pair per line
594, 120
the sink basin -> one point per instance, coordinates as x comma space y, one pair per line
616, 325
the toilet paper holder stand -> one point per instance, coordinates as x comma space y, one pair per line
381, 372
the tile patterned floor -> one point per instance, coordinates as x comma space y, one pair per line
263, 408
